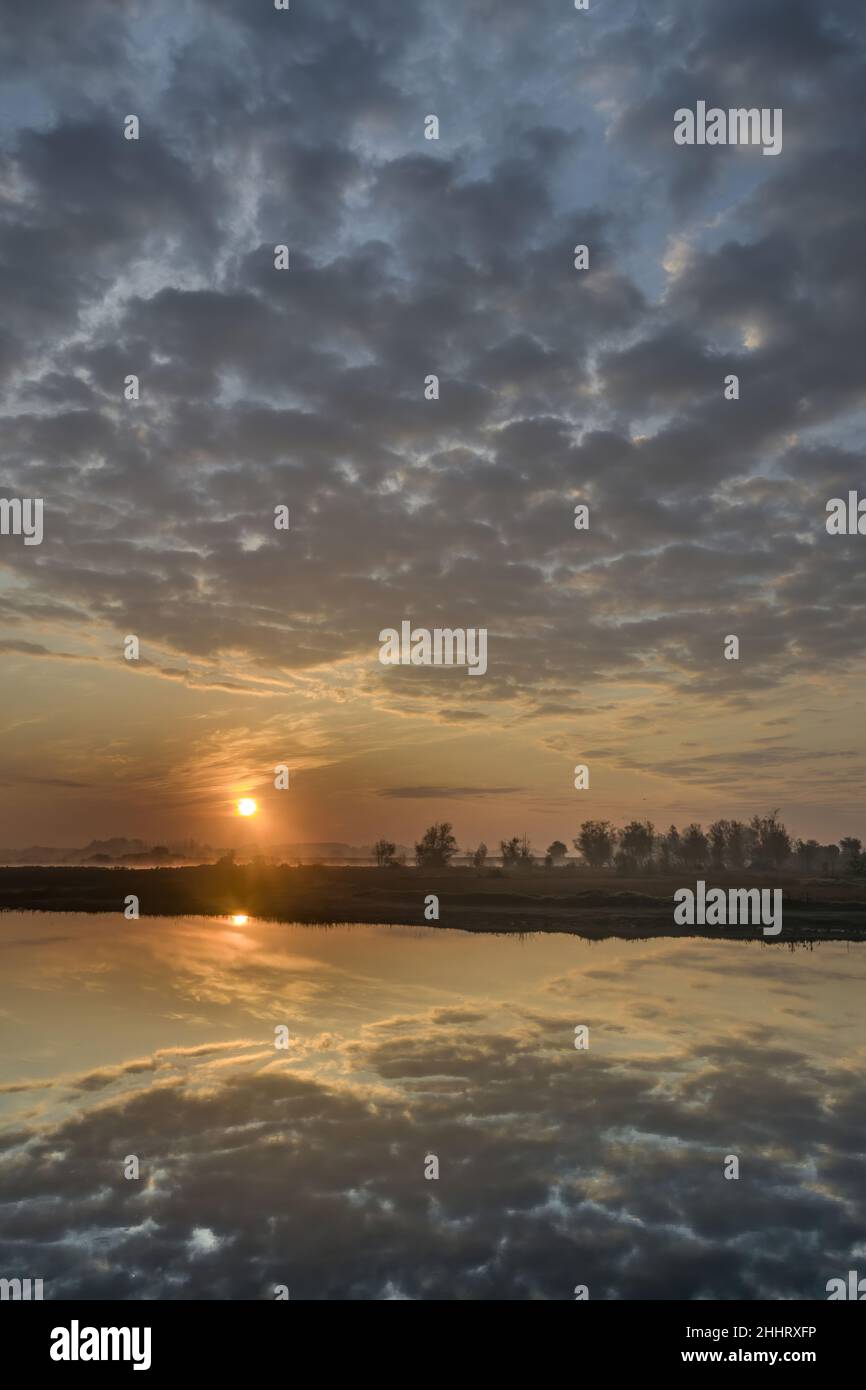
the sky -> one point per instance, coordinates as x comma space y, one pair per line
304, 388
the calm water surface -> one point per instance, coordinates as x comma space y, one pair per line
305, 1167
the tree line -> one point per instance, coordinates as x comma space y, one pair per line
638, 848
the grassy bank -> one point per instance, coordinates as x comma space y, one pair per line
590, 904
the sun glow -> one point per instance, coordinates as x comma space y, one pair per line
246, 806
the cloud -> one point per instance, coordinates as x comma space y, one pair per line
409, 257
557, 1166
445, 793
518, 1212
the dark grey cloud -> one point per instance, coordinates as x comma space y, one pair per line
411, 257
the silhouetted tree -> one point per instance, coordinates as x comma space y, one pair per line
636, 841
851, 849
807, 854
596, 842
829, 859
384, 851
437, 846
729, 844
625, 863
739, 842
772, 841
669, 849
695, 847
718, 835
510, 851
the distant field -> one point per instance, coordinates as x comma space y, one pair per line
591, 904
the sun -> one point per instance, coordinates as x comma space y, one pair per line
246, 806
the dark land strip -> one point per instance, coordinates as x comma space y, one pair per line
593, 905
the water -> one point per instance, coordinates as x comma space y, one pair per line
305, 1167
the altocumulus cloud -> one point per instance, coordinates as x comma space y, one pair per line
453, 256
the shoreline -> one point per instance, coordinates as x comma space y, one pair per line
591, 905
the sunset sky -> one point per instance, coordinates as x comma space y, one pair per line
306, 388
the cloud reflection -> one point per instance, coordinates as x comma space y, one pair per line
305, 1167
